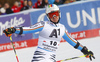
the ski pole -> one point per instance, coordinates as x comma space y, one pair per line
14, 49
72, 58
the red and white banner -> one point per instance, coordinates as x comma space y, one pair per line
86, 34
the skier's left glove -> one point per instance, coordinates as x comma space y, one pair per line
89, 54
8, 32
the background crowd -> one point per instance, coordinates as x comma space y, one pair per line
21, 5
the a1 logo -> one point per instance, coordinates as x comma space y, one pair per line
55, 33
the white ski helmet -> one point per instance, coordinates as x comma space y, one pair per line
52, 8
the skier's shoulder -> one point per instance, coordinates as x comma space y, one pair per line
39, 24
42, 22
61, 25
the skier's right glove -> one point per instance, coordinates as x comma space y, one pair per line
89, 54
8, 32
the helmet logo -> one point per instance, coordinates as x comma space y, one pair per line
51, 5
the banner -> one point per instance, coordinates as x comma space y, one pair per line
81, 16
18, 45
16, 20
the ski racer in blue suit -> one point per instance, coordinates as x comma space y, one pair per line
50, 34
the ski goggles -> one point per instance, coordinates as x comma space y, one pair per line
53, 13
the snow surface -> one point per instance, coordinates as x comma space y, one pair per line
64, 51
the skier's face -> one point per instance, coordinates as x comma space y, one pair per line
55, 19
54, 16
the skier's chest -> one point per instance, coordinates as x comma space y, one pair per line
52, 31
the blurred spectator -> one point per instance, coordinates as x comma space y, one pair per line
69, 1
63, 1
3, 11
16, 7
57, 2
37, 4
44, 3
0, 6
30, 5
25, 6
78, 0
21, 3
8, 9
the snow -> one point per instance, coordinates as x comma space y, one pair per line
65, 51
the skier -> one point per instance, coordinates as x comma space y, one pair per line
50, 34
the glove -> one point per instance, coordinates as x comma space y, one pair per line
8, 32
89, 54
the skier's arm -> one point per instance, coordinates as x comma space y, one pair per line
77, 45
72, 41
32, 29
24, 30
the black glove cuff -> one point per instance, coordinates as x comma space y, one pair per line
21, 30
84, 50
77, 45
